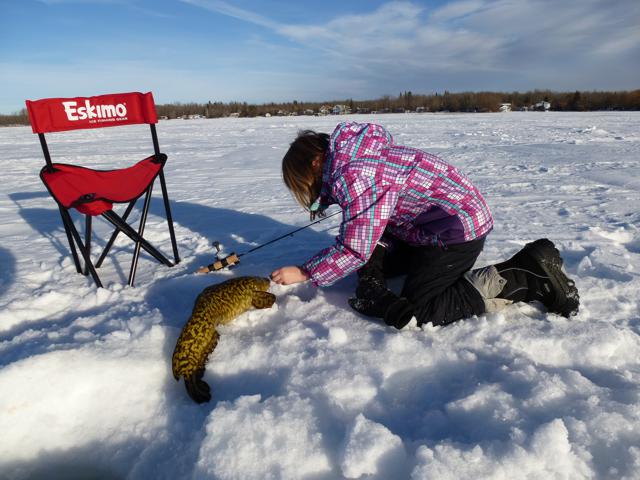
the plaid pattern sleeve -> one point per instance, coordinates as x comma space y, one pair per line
366, 208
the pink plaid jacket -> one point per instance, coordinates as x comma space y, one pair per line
385, 188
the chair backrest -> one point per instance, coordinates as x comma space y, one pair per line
60, 114
111, 110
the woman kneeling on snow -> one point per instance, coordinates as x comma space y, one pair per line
406, 211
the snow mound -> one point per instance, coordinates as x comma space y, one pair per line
251, 439
547, 454
371, 449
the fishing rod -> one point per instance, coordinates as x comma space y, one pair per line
234, 258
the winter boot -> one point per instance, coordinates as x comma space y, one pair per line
535, 273
374, 299
371, 281
395, 311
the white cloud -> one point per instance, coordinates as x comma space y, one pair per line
522, 37
226, 8
354, 33
59, 2
402, 45
455, 10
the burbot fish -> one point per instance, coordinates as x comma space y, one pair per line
216, 305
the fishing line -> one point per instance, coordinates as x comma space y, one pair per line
234, 258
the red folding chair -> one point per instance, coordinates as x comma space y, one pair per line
93, 192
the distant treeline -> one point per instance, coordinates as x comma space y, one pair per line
406, 101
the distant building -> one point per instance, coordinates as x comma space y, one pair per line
234, 114
340, 110
420, 110
324, 110
308, 111
505, 107
542, 107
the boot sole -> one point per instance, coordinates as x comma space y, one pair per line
548, 257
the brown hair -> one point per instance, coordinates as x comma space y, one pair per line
300, 176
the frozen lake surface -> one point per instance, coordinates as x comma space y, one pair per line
309, 389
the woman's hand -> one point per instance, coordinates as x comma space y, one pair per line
289, 275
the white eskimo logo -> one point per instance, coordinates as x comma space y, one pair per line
89, 111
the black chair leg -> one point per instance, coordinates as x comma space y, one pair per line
143, 221
167, 208
87, 240
72, 245
115, 233
83, 250
116, 221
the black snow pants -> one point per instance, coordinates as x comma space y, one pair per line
435, 284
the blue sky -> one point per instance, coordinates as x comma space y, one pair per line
283, 50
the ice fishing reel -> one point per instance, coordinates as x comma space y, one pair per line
220, 263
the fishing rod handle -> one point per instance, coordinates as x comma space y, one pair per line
221, 263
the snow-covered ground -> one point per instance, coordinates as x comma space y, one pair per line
308, 389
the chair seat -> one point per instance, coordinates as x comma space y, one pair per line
93, 192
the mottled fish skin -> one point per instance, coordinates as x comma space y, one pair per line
216, 305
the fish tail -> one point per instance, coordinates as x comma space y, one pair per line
197, 388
